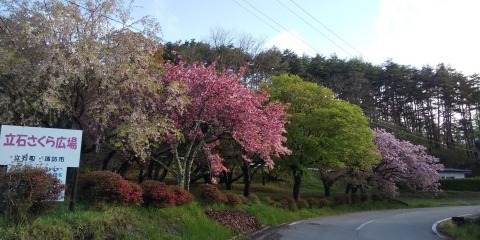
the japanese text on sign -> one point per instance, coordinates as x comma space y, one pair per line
24, 140
33, 146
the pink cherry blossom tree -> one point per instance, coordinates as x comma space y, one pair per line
221, 108
403, 162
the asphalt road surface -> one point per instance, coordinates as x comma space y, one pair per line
400, 224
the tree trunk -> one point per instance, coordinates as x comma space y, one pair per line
327, 186
228, 178
186, 177
296, 187
348, 188
207, 179
150, 169
203, 175
246, 179
123, 168
163, 175
141, 176
353, 193
106, 160
246, 188
297, 177
159, 177
263, 177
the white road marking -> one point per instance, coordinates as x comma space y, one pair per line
291, 224
363, 225
407, 213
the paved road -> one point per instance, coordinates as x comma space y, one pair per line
398, 224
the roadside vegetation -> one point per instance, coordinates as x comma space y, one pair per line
468, 230
268, 204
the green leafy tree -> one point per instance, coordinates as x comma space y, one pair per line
323, 132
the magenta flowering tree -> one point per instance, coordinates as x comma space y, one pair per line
403, 162
221, 108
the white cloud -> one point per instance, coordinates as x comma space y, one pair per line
290, 40
429, 32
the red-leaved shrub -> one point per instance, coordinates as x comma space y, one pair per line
27, 192
157, 194
210, 194
108, 187
181, 195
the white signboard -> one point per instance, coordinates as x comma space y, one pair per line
50, 148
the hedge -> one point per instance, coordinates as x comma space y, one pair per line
461, 184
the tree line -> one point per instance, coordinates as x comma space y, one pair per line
433, 106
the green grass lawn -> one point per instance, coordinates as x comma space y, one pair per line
445, 198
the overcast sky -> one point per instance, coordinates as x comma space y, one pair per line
413, 32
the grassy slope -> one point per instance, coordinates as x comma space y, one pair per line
190, 222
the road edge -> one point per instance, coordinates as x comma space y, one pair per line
439, 234
435, 230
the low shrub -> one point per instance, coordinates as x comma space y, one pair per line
463, 184
289, 203
181, 195
354, 198
476, 220
243, 198
323, 203
108, 187
302, 204
271, 202
252, 198
341, 199
157, 194
28, 192
313, 202
378, 197
134, 194
363, 197
210, 194
233, 199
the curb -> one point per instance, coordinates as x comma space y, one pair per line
440, 235
259, 232
435, 230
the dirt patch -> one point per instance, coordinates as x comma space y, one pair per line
237, 220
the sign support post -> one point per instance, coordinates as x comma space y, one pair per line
71, 206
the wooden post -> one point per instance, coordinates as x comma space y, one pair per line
71, 206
